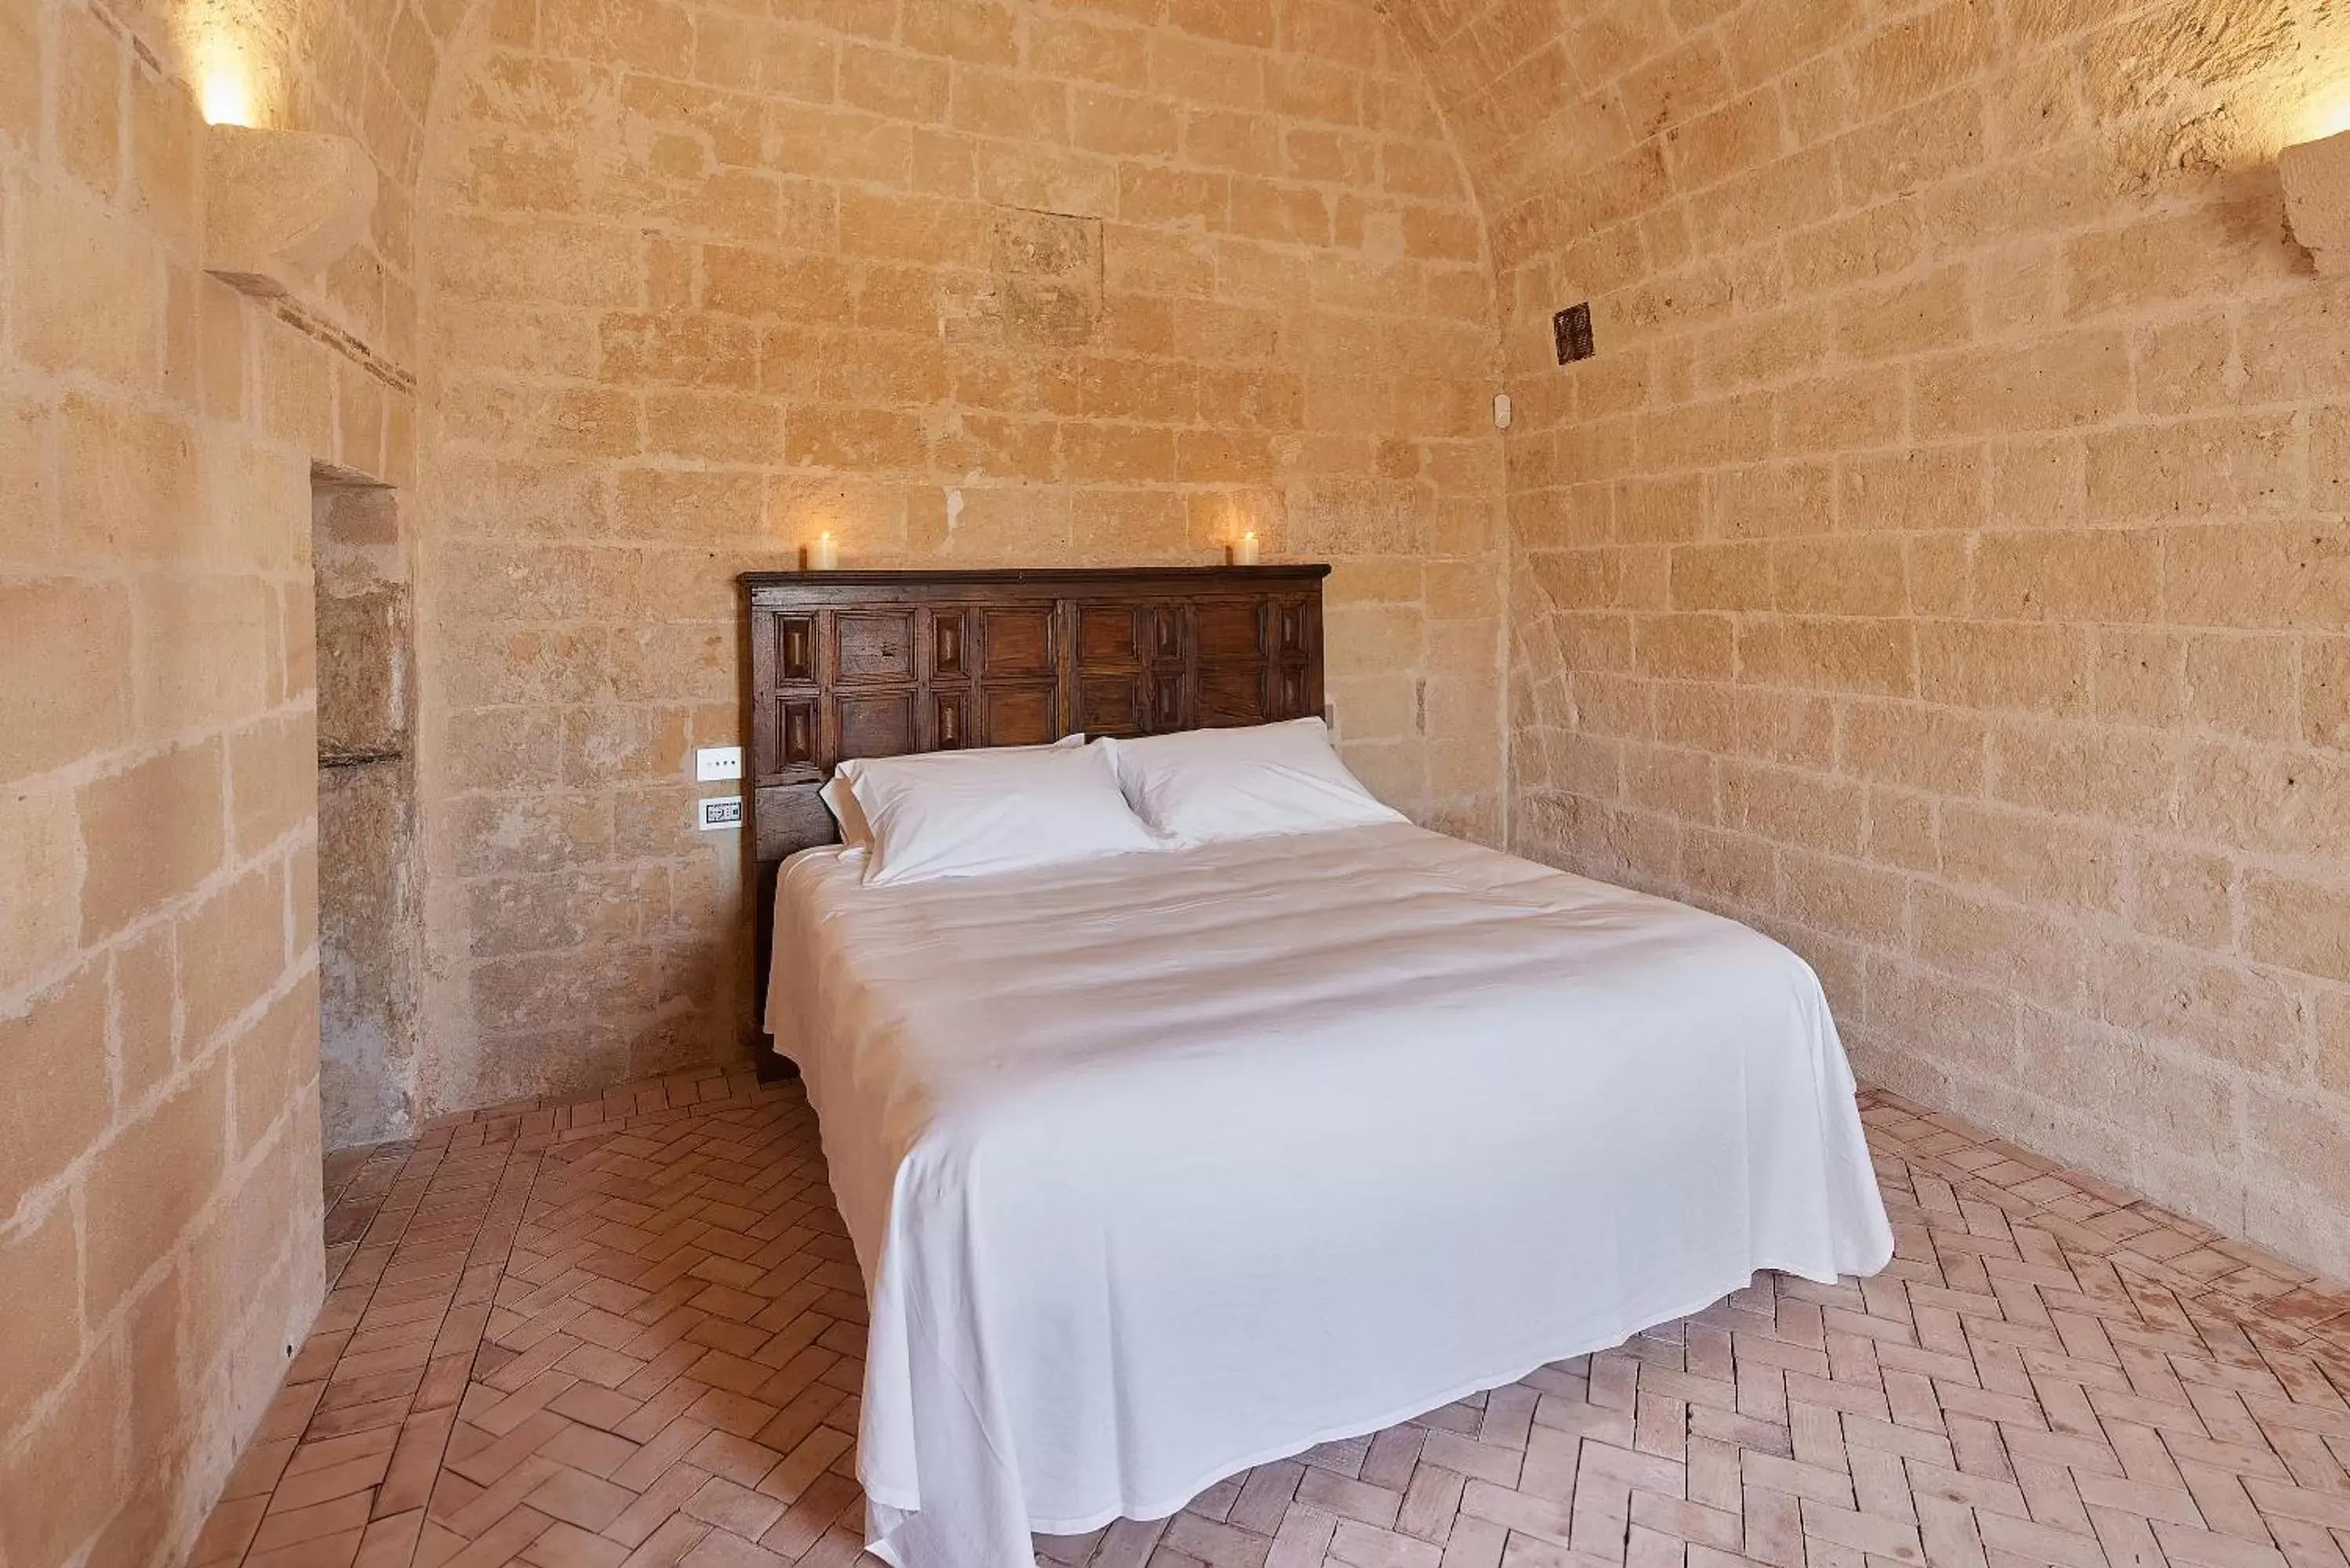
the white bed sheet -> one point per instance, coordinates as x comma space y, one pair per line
1163, 1166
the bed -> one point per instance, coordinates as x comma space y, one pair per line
1161, 1166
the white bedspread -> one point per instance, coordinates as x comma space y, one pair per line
1163, 1166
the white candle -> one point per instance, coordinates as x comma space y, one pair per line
1244, 553
824, 554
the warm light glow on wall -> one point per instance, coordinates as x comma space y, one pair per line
225, 82
2327, 113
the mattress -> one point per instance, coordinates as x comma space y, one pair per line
1159, 1167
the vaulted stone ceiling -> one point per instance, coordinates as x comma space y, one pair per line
1570, 113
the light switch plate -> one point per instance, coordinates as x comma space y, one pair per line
719, 813
712, 763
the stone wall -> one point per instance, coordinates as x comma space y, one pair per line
960, 282
159, 1246
1941, 565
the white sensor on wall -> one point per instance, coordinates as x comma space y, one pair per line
721, 812
1502, 411
712, 763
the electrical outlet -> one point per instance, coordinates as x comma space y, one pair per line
719, 813
713, 764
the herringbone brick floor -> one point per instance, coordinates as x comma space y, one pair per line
629, 1331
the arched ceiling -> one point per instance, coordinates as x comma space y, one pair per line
376, 70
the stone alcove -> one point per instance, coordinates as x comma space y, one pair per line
369, 934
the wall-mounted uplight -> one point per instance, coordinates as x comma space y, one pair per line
2317, 178
280, 207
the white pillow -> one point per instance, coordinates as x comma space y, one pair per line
975, 814
1204, 784
855, 833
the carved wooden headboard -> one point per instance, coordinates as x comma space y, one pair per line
880, 664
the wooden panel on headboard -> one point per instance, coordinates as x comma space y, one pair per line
875, 664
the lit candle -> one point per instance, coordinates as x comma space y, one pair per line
1244, 553
824, 554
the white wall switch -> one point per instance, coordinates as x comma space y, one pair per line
712, 763
720, 812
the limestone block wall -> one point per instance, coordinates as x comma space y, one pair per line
960, 281
364, 71
159, 1243
1942, 562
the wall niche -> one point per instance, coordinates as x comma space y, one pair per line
371, 931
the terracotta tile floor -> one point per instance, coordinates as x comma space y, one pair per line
629, 1331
